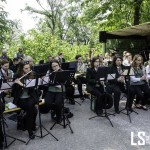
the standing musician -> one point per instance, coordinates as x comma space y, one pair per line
138, 83
81, 72
54, 94
2, 108
117, 84
5, 75
95, 87
26, 98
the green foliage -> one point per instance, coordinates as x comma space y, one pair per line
40, 45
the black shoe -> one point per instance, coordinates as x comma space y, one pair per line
69, 115
72, 101
130, 109
35, 128
144, 108
82, 98
31, 135
117, 111
99, 112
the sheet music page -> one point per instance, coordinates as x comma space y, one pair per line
6, 85
125, 72
45, 80
111, 76
30, 82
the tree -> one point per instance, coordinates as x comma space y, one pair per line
5, 26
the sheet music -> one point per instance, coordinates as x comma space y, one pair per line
111, 76
6, 85
30, 82
125, 72
45, 80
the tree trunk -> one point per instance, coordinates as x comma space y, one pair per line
137, 6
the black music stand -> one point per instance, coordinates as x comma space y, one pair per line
127, 81
61, 78
35, 83
7, 86
102, 76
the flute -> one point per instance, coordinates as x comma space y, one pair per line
25, 75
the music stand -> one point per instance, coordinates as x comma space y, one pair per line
102, 76
5, 86
127, 76
61, 78
35, 83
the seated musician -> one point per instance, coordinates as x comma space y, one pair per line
54, 95
5, 75
116, 85
80, 77
95, 87
26, 98
2, 108
138, 84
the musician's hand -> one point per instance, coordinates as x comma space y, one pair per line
18, 82
143, 78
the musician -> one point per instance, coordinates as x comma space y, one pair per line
54, 95
20, 54
128, 60
95, 87
15, 65
80, 78
2, 108
5, 75
26, 98
138, 83
60, 57
116, 85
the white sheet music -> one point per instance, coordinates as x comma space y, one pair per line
6, 85
125, 72
30, 82
111, 76
45, 80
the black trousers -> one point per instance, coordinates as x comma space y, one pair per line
116, 89
1, 133
28, 105
79, 81
141, 91
98, 91
53, 101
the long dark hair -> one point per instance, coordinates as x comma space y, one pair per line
20, 70
93, 60
114, 60
50, 64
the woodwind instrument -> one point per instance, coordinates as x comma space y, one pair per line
25, 75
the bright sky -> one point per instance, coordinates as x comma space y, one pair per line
14, 8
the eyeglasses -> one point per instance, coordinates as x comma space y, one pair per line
25, 62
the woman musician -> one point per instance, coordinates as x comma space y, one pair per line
26, 98
138, 83
117, 85
95, 87
5, 74
54, 94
